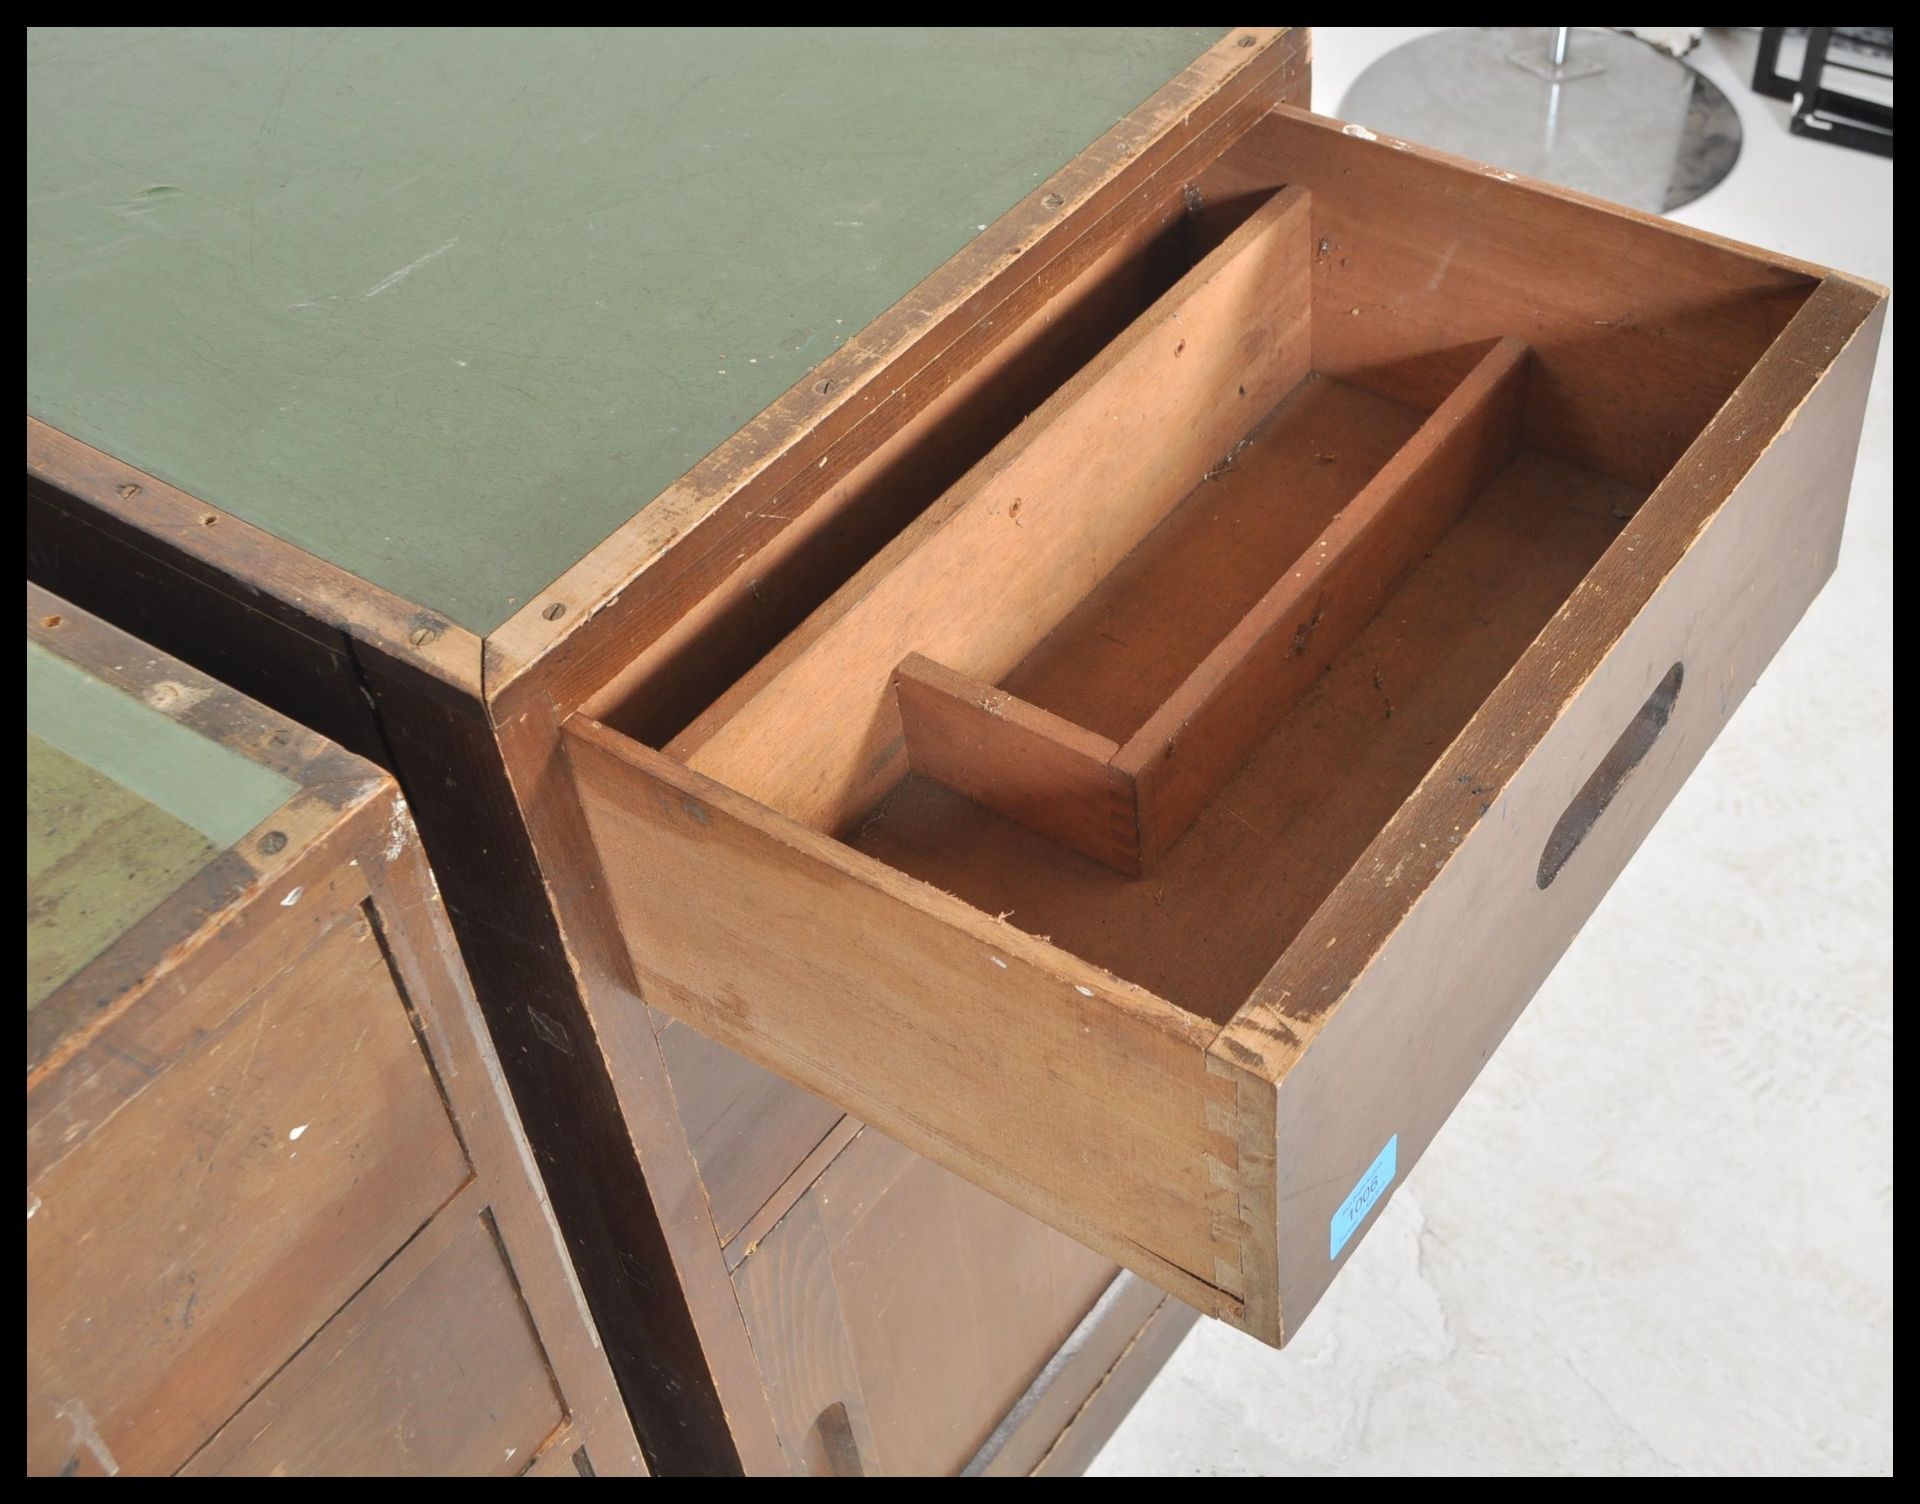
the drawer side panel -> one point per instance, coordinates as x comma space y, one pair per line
1396, 994
1072, 1094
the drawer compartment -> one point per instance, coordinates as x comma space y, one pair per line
899, 1313
1163, 828
201, 1235
432, 1371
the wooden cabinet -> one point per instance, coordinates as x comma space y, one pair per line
280, 1216
1133, 726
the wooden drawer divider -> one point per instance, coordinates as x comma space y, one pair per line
1124, 805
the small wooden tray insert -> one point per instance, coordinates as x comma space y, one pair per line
1125, 804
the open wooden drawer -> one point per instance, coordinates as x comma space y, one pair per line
1164, 827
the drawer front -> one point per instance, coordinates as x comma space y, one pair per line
1399, 990
898, 1313
432, 1371
187, 1249
1206, 1019
748, 1129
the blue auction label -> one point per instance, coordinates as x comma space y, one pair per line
1360, 1200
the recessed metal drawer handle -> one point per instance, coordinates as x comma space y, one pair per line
1621, 759
838, 1444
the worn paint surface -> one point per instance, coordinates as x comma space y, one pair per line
99, 859
446, 307
216, 790
123, 806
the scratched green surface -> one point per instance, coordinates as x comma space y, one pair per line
447, 307
124, 805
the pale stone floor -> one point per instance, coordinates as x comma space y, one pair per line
1657, 1235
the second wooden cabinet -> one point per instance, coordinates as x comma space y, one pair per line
281, 1219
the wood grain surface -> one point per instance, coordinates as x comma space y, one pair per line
990, 570
904, 1312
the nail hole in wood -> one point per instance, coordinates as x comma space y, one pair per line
1622, 758
50, 621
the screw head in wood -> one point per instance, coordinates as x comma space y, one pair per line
555, 611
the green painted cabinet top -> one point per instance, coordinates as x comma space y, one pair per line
446, 307
124, 805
